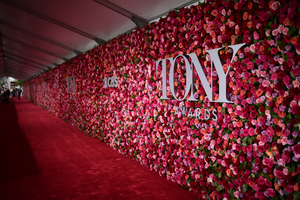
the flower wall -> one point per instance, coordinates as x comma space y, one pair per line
247, 149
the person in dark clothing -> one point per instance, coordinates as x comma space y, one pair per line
14, 92
19, 93
4, 94
7, 95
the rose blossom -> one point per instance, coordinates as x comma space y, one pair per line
284, 140
237, 194
289, 188
275, 5
275, 32
285, 132
286, 80
279, 174
296, 150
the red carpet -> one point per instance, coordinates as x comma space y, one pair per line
42, 157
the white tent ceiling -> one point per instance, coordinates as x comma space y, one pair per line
39, 35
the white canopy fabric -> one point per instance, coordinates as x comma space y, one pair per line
39, 35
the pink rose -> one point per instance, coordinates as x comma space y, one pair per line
280, 28
274, 76
275, 5
286, 132
237, 194
264, 139
255, 187
256, 35
270, 131
250, 65
266, 83
281, 162
284, 140
271, 192
275, 32
285, 30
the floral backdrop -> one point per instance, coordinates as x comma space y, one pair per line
249, 150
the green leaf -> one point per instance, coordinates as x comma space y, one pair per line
289, 116
219, 188
216, 184
292, 30
226, 131
250, 140
245, 187
270, 23
296, 196
282, 46
292, 169
244, 140
188, 180
223, 110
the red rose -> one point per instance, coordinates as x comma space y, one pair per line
295, 110
296, 72
274, 26
261, 181
291, 14
282, 18
281, 74
297, 97
297, 46
279, 174
261, 148
297, 150
258, 161
264, 16
286, 80
226, 4
293, 5
274, 51
289, 188
269, 162
249, 148
286, 156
